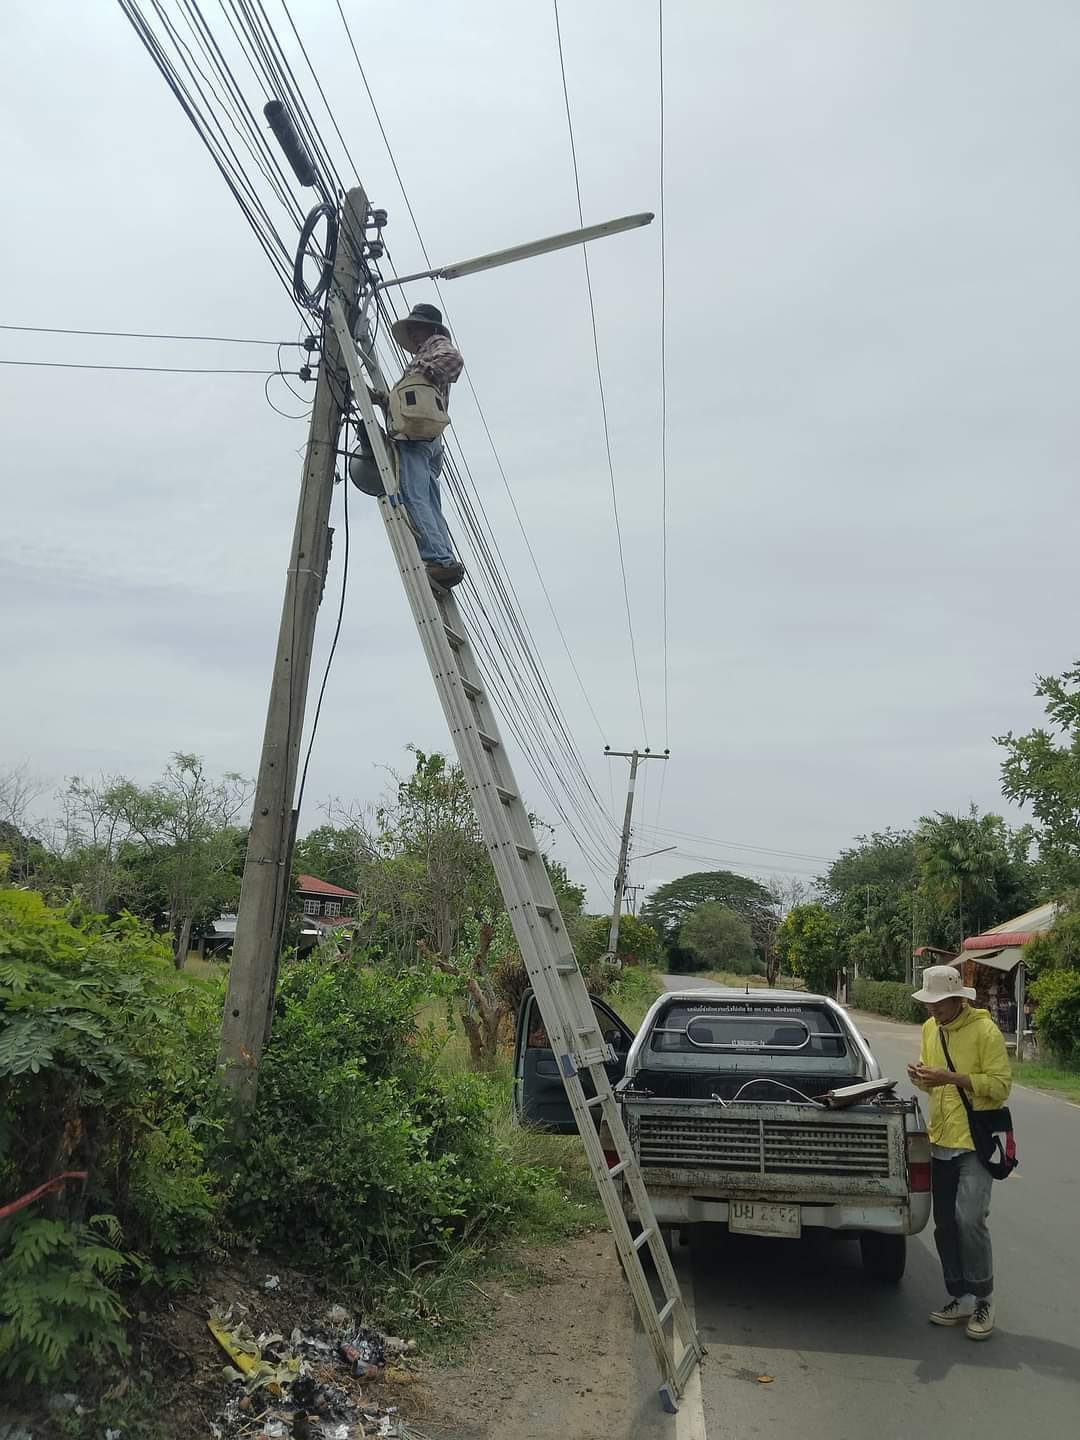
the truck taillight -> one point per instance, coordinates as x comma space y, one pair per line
918, 1161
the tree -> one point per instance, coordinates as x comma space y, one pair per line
19, 791
667, 908
718, 938
638, 944
975, 868
331, 853
187, 852
421, 865
94, 836
1042, 769
1059, 947
809, 944
870, 889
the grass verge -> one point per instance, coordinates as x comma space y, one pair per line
1040, 1076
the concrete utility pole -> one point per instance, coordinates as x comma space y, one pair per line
264, 894
635, 757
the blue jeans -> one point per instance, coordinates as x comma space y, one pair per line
961, 1190
420, 465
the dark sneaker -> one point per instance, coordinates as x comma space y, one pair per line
446, 575
981, 1324
956, 1312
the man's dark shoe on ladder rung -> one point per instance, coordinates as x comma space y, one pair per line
445, 576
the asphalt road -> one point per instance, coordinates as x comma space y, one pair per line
851, 1360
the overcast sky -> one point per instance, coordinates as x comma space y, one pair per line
873, 222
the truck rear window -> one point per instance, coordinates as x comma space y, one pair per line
721, 1028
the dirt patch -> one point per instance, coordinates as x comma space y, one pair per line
554, 1357
557, 1359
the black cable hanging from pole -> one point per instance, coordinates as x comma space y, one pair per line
312, 299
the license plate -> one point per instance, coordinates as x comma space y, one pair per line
751, 1217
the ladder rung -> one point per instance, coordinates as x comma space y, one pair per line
474, 692
644, 1238
507, 797
614, 1170
596, 1100
488, 741
566, 969
526, 852
456, 640
545, 911
662, 1314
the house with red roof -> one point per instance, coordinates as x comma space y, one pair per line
325, 908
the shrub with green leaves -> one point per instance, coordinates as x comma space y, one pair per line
1057, 1020
102, 1046
361, 1154
888, 997
56, 1295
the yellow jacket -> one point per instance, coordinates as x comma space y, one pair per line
977, 1049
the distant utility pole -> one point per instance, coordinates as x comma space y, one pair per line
264, 894
635, 757
632, 891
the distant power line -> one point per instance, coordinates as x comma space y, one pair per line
154, 369
144, 335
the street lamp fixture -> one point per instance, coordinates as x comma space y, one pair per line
523, 252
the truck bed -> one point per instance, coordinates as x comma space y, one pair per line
705, 1085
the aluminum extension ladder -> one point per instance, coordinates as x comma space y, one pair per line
557, 982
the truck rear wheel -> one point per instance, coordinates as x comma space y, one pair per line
884, 1257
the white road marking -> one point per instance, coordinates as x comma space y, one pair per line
690, 1416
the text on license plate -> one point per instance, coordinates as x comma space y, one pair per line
751, 1217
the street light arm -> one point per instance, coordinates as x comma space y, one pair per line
666, 850
523, 252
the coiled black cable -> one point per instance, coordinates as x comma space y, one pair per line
312, 299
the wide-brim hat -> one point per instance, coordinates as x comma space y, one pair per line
429, 315
941, 982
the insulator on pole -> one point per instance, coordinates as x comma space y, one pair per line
281, 123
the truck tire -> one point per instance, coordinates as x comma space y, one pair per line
884, 1257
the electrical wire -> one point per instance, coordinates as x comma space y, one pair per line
741, 845
600, 379
469, 382
207, 88
663, 380
152, 369
285, 414
146, 335
503, 605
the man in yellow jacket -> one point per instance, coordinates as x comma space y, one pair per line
960, 1182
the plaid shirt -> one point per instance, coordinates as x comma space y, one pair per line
440, 361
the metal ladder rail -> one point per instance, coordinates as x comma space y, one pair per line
578, 1042
533, 910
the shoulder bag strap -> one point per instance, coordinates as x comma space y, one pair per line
959, 1088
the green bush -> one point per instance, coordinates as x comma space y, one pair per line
1057, 1019
56, 1296
96, 1064
888, 997
361, 1154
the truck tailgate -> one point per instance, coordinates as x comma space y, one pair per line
770, 1149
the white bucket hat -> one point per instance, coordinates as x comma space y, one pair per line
939, 982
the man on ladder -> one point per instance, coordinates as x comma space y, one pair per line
418, 410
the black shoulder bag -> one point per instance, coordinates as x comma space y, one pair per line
991, 1130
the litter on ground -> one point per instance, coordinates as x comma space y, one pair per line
307, 1387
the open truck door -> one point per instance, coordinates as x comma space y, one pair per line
539, 1096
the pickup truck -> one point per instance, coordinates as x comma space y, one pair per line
730, 1101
